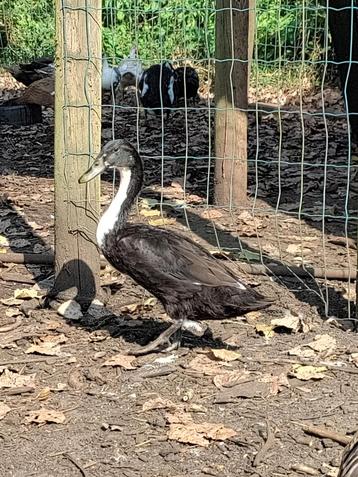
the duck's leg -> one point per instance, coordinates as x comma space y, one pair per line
163, 338
195, 327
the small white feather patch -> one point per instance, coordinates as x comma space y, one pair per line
171, 90
145, 88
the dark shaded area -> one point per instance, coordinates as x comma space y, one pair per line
343, 25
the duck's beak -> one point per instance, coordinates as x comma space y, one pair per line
97, 168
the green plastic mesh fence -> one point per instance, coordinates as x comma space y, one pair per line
299, 224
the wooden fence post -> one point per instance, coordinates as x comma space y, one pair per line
77, 141
231, 87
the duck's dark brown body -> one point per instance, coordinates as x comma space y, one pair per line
185, 278
30, 72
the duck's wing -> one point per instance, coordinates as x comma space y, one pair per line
168, 256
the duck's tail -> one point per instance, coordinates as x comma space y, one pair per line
248, 300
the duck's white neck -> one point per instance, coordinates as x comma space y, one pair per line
111, 215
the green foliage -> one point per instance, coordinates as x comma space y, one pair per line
29, 27
290, 31
287, 30
160, 28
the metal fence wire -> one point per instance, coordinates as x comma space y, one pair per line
299, 224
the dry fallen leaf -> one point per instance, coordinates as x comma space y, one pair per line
206, 366
45, 416
12, 312
44, 394
161, 221
226, 354
150, 212
298, 249
123, 360
289, 321
139, 306
354, 358
10, 379
277, 382
11, 302
265, 330
158, 403
150, 302
230, 379
251, 316
25, 293
302, 352
49, 346
323, 343
4, 409
248, 389
292, 322
183, 429
211, 214
4, 241
307, 372
249, 220
130, 308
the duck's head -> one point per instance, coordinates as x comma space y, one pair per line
117, 154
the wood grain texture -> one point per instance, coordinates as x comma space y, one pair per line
77, 142
231, 86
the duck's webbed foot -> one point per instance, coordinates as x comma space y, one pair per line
163, 338
195, 327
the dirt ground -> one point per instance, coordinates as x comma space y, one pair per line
236, 402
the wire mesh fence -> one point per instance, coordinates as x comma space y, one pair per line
299, 223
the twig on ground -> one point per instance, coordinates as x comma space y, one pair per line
325, 433
270, 439
28, 360
305, 469
76, 464
14, 277
328, 365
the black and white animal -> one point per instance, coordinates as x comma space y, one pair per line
110, 76
158, 89
349, 463
130, 70
188, 83
182, 275
28, 73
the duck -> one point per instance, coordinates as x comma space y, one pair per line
28, 73
41, 92
349, 462
130, 70
189, 282
158, 89
110, 76
188, 83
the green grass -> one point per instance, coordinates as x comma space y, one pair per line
287, 33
